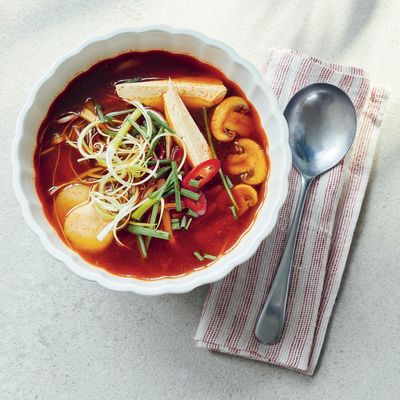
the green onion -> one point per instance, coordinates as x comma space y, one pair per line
198, 256
214, 154
122, 112
233, 209
229, 182
161, 172
188, 223
209, 256
175, 220
110, 133
160, 162
133, 80
160, 122
176, 187
160, 192
140, 211
152, 148
124, 129
169, 192
142, 246
152, 221
176, 226
192, 213
194, 183
99, 112
141, 230
183, 221
190, 194
137, 126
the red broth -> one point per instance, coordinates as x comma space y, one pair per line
214, 233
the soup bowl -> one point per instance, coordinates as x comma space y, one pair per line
210, 51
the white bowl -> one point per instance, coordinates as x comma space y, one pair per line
174, 40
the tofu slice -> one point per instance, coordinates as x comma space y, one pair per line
184, 126
195, 92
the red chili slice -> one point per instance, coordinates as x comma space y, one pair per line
199, 206
203, 173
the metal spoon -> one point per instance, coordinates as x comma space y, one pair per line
322, 124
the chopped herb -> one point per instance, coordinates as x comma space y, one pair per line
234, 212
141, 230
175, 220
99, 112
190, 194
159, 121
183, 222
209, 256
160, 162
133, 80
122, 112
137, 126
110, 133
176, 187
192, 213
176, 226
152, 221
169, 192
229, 182
140, 211
188, 223
194, 183
161, 172
198, 256
152, 148
142, 246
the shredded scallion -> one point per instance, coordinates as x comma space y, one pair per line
194, 183
142, 246
176, 187
198, 256
141, 230
193, 213
190, 194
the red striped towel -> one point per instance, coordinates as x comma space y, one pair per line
233, 304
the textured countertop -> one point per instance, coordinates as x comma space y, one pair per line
66, 338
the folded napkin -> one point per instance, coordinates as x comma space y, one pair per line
233, 304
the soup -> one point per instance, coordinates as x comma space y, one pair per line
151, 164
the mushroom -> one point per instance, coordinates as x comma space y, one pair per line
250, 162
245, 196
230, 119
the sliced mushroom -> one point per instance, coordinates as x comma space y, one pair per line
250, 162
245, 196
230, 119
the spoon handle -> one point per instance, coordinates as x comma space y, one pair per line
270, 323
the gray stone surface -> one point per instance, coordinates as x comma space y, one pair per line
66, 338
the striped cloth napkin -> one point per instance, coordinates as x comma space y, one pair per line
233, 304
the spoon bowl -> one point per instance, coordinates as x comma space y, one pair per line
322, 124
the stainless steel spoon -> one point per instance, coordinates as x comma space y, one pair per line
322, 124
